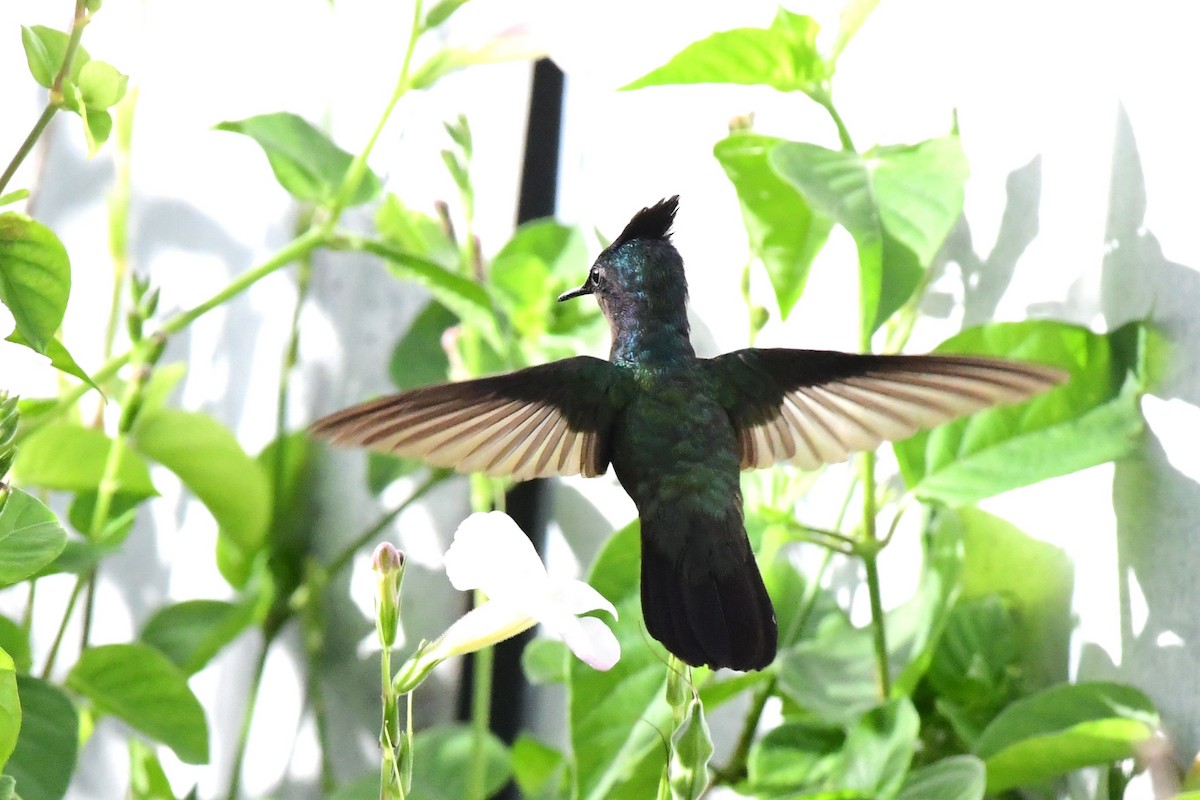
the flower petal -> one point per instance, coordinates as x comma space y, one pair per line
579, 598
592, 642
491, 553
481, 626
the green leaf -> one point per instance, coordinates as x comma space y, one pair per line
419, 359
834, 674
122, 514
974, 664
14, 640
465, 298
138, 684
441, 12
533, 268
879, 748
79, 556
305, 162
502, 48
444, 763
783, 56
101, 85
68, 457
211, 463
288, 460
45, 49
97, 126
48, 744
541, 772
795, 756
60, 358
691, 749
546, 661
147, 778
954, 778
16, 196
899, 203
854, 14
30, 537
1062, 729
8, 788
785, 233
1037, 582
10, 707
191, 632
35, 278
414, 232
617, 745
1092, 419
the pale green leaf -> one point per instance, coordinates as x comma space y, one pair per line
211, 463
66, 456
305, 161
785, 233
783, 56
30, 537
138, 684
35, 278
48, 744
1062, 729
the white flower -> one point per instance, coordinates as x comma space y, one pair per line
492, 554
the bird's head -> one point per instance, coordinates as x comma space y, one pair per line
640, 275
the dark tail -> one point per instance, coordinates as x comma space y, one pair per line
702, 594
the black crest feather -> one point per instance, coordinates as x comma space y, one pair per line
650, 223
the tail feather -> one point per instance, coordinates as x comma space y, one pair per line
702, 594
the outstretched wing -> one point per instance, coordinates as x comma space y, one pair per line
552, 419
816, 407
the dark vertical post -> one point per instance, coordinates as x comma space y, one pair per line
527, 503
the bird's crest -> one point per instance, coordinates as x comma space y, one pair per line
650, 223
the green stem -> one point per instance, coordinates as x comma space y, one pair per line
824, 97
27, 146
735, 769
118, 212
80, 582
869, 552
358, 167
78, 22
481, 708
343, 558
390, 786
239, 756
297, 248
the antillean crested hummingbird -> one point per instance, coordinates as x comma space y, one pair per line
679, 429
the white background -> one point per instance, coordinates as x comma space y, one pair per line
1078, 121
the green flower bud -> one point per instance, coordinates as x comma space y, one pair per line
388, 564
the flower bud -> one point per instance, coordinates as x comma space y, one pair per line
388, 564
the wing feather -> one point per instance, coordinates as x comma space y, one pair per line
814, 407
553, 419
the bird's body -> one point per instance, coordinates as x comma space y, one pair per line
678, 430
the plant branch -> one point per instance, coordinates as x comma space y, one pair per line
239, 757
343, 558
55, 101
824, 97
297, 248
80, 582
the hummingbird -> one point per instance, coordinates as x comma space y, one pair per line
679, 429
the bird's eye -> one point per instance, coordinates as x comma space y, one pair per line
594, 275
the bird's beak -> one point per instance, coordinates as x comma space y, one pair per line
582, 290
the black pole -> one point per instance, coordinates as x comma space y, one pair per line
527, 503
